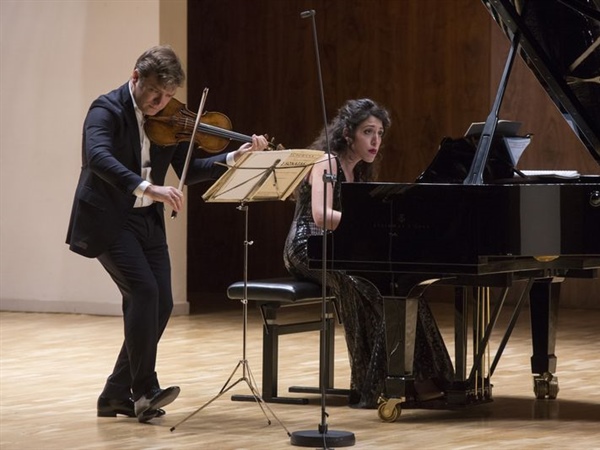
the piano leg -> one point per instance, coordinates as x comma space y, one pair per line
400, 315
460, 333
544, 297
401, 328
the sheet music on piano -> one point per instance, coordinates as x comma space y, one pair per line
516, 145
508, 130
454, 157
504, 128
565, 174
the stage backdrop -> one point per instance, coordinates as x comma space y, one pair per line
435, 65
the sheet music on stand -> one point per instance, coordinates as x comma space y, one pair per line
263, 176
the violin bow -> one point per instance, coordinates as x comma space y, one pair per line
191, 146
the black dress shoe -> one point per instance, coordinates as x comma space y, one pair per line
154, 400
110, 407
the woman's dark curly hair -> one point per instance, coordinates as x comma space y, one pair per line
344, 126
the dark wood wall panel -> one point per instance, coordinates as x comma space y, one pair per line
434, 64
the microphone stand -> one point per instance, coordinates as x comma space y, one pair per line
323, 436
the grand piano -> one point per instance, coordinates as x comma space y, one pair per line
481, 227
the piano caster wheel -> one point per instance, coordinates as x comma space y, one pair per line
545, 385
390, 410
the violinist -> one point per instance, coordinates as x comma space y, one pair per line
117, 217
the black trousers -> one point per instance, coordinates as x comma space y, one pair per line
138, 262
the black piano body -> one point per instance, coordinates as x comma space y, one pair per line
463, 229
405, 237
484, 233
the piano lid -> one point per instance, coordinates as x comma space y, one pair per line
560, 42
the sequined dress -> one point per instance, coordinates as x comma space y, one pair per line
361, 312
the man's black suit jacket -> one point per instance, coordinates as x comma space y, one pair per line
110, 172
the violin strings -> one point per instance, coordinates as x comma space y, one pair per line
220, 132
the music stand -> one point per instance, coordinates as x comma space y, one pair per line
257, 176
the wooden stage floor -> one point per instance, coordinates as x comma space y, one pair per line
53, 367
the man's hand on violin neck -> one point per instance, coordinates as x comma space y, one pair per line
259, 143
165, 194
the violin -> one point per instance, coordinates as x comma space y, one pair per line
175, 123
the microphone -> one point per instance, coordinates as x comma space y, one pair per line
322, 437
306, 15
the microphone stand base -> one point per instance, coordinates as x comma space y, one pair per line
329, 439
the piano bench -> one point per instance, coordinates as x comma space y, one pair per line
270, 295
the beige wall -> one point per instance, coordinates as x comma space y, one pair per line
56, 57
